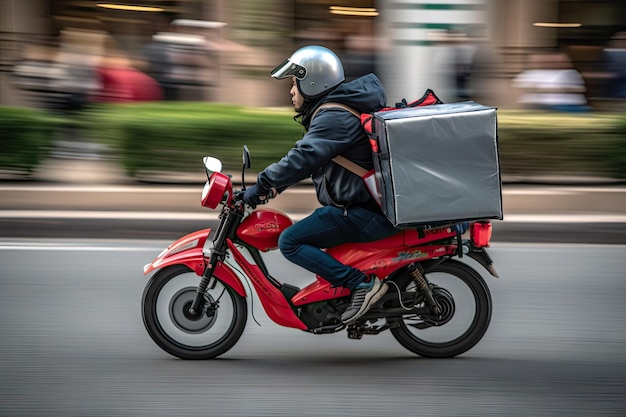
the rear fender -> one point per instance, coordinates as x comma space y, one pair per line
481, 256
189, 251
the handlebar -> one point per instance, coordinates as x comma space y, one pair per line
238, 195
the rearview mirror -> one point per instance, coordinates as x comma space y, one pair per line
246, 165
212, 164
246, 157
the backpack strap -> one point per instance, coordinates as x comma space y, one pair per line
337, 105
341, 160
350, 166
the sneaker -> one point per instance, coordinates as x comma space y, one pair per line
363, 297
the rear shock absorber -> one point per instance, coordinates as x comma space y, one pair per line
422, 284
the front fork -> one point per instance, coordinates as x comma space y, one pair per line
230, 220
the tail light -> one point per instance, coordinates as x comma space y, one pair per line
481, 234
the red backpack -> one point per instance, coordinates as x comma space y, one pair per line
427, 99
368, 177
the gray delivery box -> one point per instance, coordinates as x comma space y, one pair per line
438, 163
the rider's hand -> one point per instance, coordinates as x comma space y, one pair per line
254, 195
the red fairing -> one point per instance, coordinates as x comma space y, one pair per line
274, 302
188, 250
320, 290
262, 228
384, 256
380, 258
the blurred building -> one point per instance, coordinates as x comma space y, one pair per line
222, 50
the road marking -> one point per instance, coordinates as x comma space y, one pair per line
563, 218
537, 192
104, 189
117, 215
85, 245
562, 190
186, 189
103, 214
54, 247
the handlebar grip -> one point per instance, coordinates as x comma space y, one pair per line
238, 195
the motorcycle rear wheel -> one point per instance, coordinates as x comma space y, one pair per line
467, 306
165, 310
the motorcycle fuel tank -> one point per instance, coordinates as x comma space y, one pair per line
262, 228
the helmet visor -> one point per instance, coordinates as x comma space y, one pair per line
288, 69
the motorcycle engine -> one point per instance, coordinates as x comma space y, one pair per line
321, 314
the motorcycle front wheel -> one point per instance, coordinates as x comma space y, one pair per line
211, 333
466, 306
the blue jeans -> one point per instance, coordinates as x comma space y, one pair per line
327, 227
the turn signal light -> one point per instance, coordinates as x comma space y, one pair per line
481, 234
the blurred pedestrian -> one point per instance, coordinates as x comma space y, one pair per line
161, 67
615, 59
348, 212
121, 82
359, 57
552, 83
464, 63
181, 58
78, 54
464, 52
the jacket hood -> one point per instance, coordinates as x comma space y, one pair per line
364, 94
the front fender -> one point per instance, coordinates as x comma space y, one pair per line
189, 251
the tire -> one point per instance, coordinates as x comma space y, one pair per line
464, 321
165, 304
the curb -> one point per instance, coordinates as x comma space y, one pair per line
106, 172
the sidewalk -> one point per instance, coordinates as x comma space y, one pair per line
100, 184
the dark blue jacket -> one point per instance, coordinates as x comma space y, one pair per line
332, 132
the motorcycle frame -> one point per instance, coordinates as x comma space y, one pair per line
393, 253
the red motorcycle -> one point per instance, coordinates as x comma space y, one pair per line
194, 306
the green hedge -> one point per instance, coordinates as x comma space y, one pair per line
548, 143
175, 136
618, 160
170, 136
26, 136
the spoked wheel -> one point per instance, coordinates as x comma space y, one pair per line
465, 312
210, 333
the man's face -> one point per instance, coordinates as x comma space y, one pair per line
296, 98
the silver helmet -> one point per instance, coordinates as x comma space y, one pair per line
317, 70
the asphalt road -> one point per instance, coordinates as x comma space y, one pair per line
73, 344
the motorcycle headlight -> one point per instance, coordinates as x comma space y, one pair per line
215, 189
